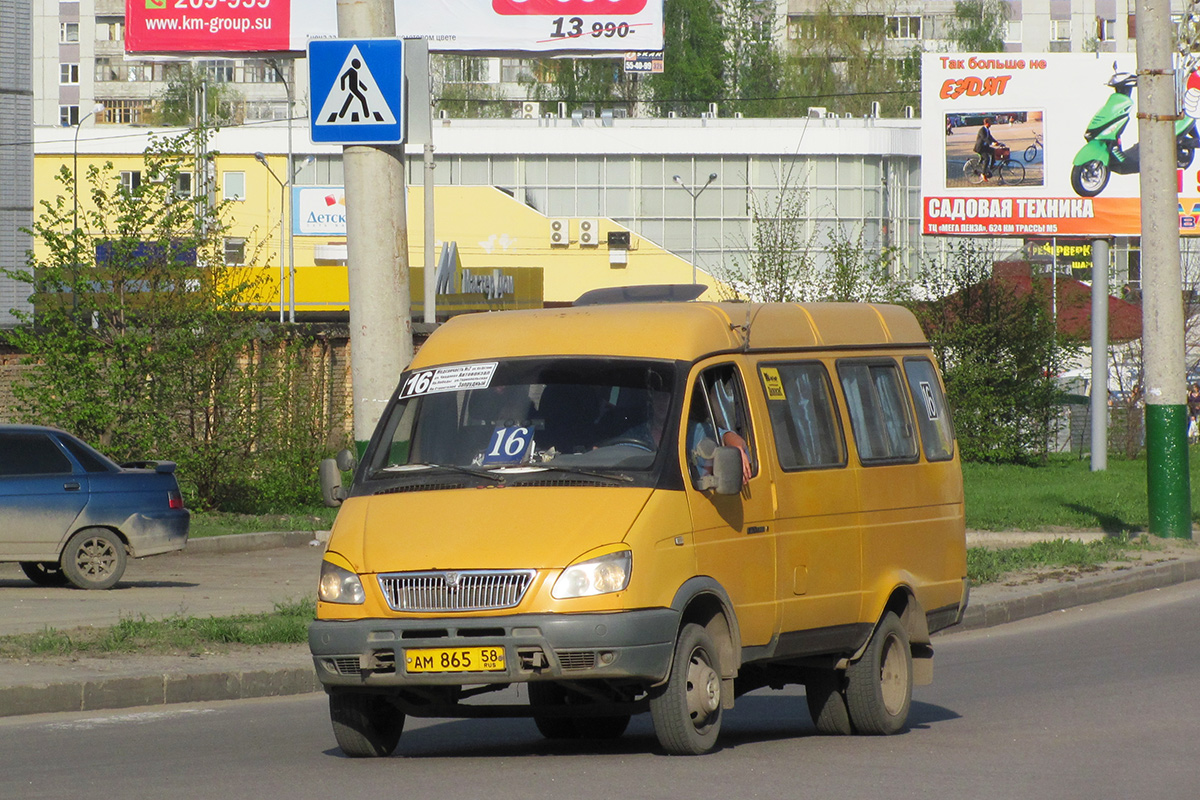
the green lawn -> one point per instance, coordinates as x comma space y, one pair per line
1064, 494
217, 523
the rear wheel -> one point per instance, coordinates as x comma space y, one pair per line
365, 725
687, 711
973, 169
94, 558
879, 685
827, 703
44, 573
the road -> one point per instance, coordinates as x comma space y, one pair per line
1095, 702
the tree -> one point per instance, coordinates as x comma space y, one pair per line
144, 342
978, 26
1000, 353
693, 58
754, 65
601, 82
186, 83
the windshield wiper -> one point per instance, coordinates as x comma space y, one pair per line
478, 473
589, 472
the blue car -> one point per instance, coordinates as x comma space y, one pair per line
68, 514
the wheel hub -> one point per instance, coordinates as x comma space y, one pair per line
704, 689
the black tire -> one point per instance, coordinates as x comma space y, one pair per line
582, 727
1184, 155
687, 710
94, 558
879, 685
1030, 153
1089, 179
365, 725
827, 703
44, 573
1012, 172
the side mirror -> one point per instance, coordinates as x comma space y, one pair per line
727, 471
331, 482
346, 461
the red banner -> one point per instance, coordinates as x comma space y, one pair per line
207, 26
555, 8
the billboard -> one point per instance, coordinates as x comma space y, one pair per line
476, 26
1065, 152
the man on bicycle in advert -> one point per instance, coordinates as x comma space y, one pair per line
985, 146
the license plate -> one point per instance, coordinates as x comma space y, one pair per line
455, 659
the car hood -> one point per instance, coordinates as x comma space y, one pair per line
512, 527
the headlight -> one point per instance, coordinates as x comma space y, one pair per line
339, 585
608, 573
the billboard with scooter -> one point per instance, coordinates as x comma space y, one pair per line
1026, 144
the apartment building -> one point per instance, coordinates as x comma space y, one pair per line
16, 149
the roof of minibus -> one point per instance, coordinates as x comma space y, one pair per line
677, 331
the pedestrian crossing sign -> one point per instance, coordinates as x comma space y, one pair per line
357, 91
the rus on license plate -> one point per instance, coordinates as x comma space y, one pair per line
455, 659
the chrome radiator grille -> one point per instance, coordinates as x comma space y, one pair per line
466, 590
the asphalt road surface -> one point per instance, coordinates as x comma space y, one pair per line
1096, 702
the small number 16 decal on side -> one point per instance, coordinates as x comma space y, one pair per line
538, 8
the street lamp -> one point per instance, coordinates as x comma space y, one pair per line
96, 109
262, 159
695, 195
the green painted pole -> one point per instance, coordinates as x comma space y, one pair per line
1168, 484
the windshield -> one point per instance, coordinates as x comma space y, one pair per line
528, 415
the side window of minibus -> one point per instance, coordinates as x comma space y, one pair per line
804, 416
933, 415
717, 413
880, 415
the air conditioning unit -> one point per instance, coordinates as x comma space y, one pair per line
560, 235
589, 233
531, 110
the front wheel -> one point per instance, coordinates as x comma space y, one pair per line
94, 559
1030, 153
1012, 172
1183, 155
687, 711
1090, 178
879, 685
365, 725
44, 573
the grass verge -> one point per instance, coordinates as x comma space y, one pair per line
987, 565
183, 635
220, 523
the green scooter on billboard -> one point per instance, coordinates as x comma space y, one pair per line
1103, 155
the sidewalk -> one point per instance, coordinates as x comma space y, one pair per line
253, 572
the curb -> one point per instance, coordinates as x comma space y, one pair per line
247, 542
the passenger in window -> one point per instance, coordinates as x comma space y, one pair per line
702, 426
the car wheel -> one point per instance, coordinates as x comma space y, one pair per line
827, 703
879, 685
44, 573
687, 710
94, 558
365, 725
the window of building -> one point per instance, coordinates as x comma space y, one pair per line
183, 185
68, 116
1106, 30
261, 70
467, 69
879, 412
235, 250
68, 32
219, 70
233, 186
110, 29
105, 70
515, 70
904, 27
1060, 30
1012, 31
68, 74
139, 71
125, 112
803, 415
131, 179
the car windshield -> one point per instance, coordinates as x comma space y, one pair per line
527, 415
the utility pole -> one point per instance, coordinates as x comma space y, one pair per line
377, 247
1167, 480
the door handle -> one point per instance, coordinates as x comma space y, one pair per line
758, 529
71, 487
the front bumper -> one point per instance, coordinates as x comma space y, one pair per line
620, 645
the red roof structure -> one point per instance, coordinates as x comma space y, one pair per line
1074, 303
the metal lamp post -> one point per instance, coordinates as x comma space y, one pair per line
262, 159
96, 109
695, 196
